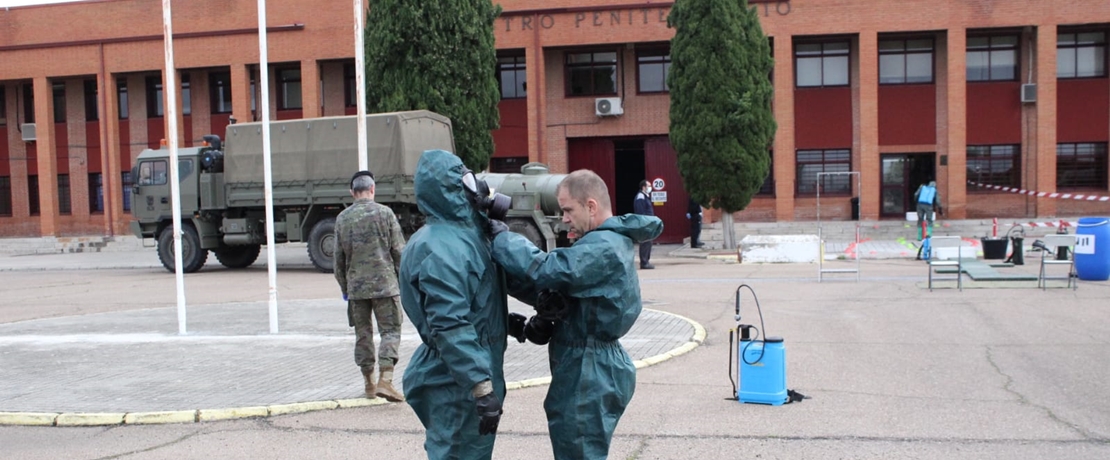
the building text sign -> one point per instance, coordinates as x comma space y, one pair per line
618, 18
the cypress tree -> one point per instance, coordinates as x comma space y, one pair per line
439, 56
721, 120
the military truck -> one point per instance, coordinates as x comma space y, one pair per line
222, 187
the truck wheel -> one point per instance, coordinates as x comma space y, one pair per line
321, 245
192, 255
526, 228
238, 256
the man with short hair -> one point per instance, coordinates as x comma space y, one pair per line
642, 205
368, 244
592, 377
927, 198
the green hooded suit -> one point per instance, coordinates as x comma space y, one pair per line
455, 297
592, 377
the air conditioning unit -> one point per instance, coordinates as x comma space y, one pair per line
1028, 93
608, 106
28, 130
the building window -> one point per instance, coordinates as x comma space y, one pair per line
906, 61
652, 68
121, 95
821, 64
811, 162
1081, 165
33, 194
3, 105
591, 74
350, 93
289, 83
154, 104
127, 184
65, 204
768, 187
96, 193
219, 90
186, 96
91, 91
5, 195
992, 58
994, 165
59, 90
1081, 55
511, 76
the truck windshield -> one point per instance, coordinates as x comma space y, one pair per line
155, 173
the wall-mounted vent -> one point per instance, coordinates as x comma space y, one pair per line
1028, 93
28, 131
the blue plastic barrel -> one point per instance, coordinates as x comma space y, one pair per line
1093, 265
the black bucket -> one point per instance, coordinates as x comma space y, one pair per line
994, 248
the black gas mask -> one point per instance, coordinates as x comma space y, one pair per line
494, 205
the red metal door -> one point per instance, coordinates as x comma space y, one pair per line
661, 162
596, 155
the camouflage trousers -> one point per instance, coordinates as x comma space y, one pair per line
387, 312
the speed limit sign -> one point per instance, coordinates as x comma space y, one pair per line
658, 183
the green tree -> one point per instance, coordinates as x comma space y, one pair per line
439, 56
721, 120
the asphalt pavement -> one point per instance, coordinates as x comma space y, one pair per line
890, 370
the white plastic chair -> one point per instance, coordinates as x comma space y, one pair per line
938, 242
1053, 242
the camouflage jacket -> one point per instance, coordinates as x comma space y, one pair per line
368, 244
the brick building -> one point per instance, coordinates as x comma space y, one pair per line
1003, 92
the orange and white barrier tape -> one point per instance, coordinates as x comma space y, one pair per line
1064, 196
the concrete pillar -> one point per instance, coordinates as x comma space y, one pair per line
868, 100
47, 156
954, 200
310, 89
784, 157
1044, 150
241, 93
110, 152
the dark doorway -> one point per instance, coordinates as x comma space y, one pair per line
629, 172
901, 175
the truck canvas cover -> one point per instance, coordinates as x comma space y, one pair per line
321, 150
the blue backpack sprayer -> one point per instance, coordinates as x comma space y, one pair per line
761, 364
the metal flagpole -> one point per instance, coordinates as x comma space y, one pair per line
264, 106
360, 83
170, 92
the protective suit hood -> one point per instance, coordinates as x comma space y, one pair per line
439, 190
637, 227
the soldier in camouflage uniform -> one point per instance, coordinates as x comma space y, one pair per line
368, 244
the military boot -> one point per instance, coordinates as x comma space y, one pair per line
385, 387
368, 378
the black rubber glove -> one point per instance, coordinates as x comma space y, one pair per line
489, 414
539, 330
497, 227
516, 326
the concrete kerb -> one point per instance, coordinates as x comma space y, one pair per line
70, 419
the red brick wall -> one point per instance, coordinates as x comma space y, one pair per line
823, 118
993, 113
907, 114
1081, 110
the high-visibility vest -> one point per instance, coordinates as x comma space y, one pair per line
927, 194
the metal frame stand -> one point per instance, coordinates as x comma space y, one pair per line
821, 270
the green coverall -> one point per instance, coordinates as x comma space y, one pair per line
455, 297
592, 377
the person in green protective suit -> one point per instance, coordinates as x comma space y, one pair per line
592, 377
455, 297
